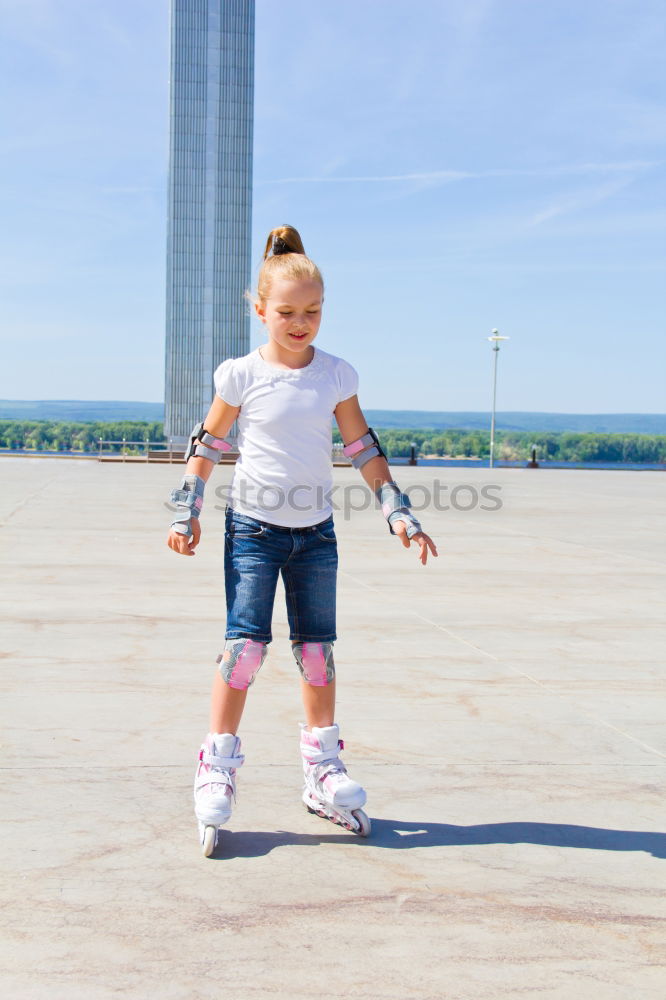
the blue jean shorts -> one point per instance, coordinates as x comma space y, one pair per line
255, 554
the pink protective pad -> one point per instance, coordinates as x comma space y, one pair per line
353, 449
248, 662
220, 444
356, 446
314, 664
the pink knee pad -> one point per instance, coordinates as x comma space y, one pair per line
241, 661
315, 662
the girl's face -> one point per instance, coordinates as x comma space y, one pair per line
292, 312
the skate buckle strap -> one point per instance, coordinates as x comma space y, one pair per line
216, 778
213, 760
322, 756
313, 756
331, 767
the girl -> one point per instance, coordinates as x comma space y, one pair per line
279, 521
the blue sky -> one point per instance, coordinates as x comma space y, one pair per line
452, 167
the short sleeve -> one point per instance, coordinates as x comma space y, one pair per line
347, 379
228, 383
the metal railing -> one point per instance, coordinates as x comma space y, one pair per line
125, 449
146, 445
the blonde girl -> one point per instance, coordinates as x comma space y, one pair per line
279, 523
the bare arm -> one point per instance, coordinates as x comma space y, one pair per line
353, 425
218, 422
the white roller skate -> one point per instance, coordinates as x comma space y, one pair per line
329, 792
215, 786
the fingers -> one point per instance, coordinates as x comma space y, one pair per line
196, 534
424, 541
181, 543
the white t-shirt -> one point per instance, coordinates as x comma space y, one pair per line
284, 472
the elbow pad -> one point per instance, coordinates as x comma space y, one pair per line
363, 449
205, 445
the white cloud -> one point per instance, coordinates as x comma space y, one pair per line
448, 176
580, 200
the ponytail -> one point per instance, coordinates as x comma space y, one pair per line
285, 257
284, 239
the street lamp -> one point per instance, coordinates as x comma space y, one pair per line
494, 339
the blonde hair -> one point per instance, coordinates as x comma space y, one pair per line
290, 261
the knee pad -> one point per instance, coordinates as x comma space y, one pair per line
315, 662
241, 661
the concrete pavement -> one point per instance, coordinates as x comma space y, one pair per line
504, 708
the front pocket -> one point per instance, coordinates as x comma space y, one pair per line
244, 532
328, 534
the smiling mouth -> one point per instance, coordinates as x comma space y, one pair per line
298, 336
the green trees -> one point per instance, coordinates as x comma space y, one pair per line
517, 446
52, 435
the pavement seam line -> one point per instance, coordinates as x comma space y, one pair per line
27, 499
544, 687
588, 715
521, 673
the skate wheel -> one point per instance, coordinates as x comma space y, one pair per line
209, 841
364, 824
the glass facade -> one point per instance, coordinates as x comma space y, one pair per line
209, 202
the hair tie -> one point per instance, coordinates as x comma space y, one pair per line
279, 246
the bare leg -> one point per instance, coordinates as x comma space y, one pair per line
319, 704
226, 706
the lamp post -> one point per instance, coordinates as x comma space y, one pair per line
494, 339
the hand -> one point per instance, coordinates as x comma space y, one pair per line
424, 541
181, 543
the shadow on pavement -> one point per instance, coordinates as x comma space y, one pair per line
399, 836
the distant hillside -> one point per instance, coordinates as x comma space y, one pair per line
597, 423
79, 410
583, 423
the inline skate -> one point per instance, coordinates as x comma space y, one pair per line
215, 786
329, 791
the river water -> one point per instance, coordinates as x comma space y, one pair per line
460, 463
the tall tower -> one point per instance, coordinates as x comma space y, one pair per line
210, 200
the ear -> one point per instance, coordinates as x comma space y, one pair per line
260, 311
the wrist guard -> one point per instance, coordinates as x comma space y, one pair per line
363, 449
189, 501
205, 445
396, 507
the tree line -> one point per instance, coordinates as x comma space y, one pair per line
510, 446
516, 446
58, 435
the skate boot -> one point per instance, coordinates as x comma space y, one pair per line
329, 792
215, 786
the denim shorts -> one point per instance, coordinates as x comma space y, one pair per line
255, 553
